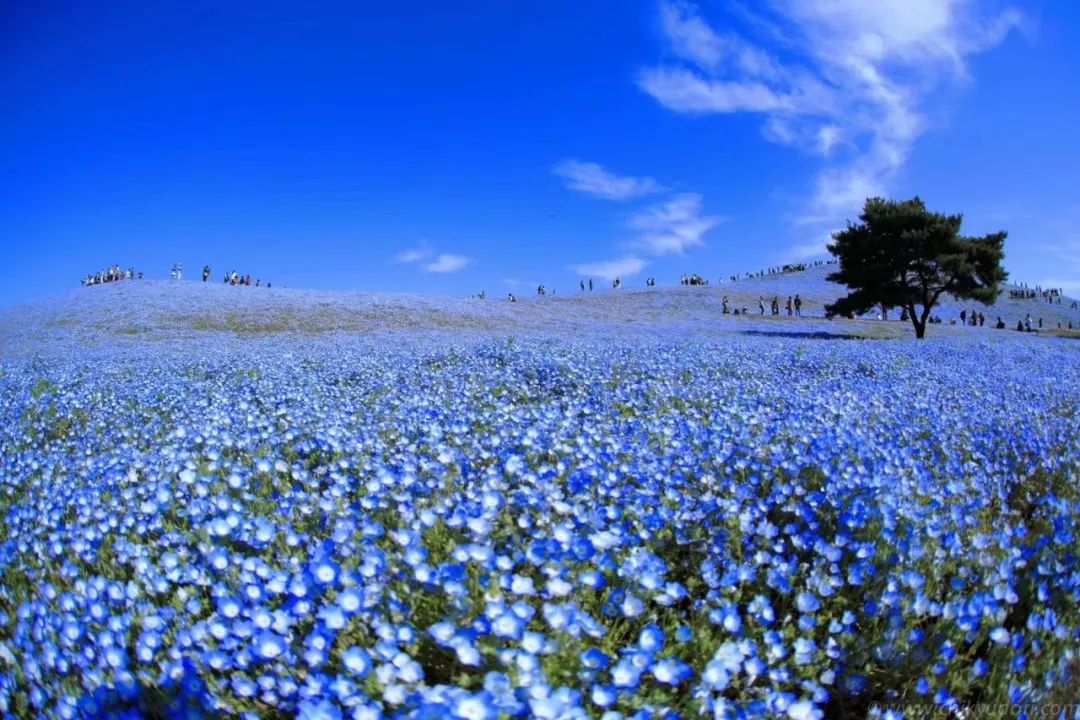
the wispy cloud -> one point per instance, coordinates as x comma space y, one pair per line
611, 269
593, 179
446, 263
423, 255
850, 85
690, 38
421, 252
673, 226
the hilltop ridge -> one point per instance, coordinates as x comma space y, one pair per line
175, 310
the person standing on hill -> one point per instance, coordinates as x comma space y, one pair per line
205, 273
581, 284
590, 284
798, 306
790, 307
761, 305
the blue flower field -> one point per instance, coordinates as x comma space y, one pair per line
492, 525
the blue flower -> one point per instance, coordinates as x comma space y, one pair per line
478, 706
651, 638
268, 645
807, 602
356, 662
672, 671
594, 659
508, 626
317, 710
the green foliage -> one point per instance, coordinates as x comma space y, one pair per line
901, 255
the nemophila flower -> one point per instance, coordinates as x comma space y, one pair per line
268, 645
332, 617
804, 651
558, 587
479, 706
593, 579
532, 642
318, 710
631, 606
521, 585
594, 659
651, 638
808, 603
625, 674
603, 695
356, 662
507, 625
467, 653
672, 671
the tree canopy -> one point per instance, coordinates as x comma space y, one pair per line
901, 255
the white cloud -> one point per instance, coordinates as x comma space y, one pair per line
510, 282
690, 37
446, 263
673, 226
424, 256
421, 252
611, 269
593, 179
850, 86
686, 91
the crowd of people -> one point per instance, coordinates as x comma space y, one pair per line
235, 278
693, 280
793, 305
973, 318
780, 270
112, 274
1051, 296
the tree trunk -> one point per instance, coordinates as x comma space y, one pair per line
919, 321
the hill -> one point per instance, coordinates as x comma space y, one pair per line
160, 310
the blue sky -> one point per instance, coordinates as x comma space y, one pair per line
454, 147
